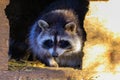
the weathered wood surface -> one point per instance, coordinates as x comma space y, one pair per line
4, 35
47, 74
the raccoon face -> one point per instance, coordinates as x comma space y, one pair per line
58, 40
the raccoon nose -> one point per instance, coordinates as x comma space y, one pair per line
54, 54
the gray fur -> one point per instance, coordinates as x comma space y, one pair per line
57, 25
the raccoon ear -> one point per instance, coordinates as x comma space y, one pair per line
70, 27
43, 24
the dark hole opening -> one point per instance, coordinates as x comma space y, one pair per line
21, 15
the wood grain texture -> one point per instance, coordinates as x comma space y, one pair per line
4, 35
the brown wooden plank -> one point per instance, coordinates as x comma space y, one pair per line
4, 35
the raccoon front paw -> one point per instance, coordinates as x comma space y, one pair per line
53, 63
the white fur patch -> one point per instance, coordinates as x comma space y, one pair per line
51, 51
60, 51
78, 45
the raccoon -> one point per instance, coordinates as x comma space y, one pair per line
57, 38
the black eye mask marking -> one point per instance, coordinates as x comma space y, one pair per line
65, 44
48, 44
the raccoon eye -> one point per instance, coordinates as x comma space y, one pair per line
48, 44
65, 44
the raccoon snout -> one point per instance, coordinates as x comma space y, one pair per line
55, 54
